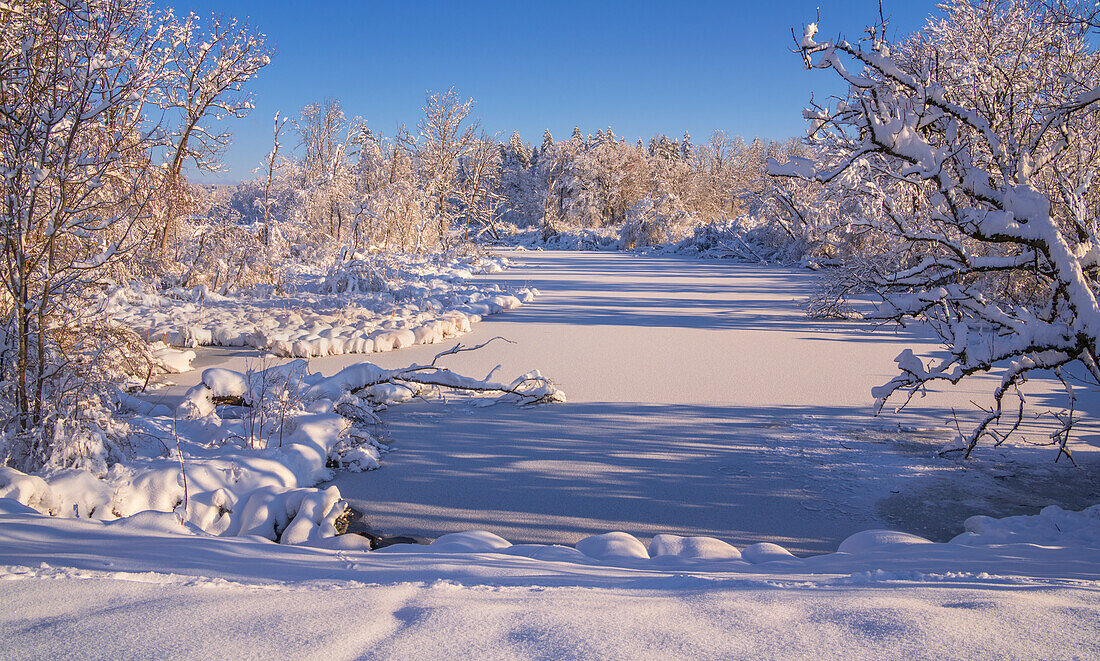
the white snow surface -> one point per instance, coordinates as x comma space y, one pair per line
83, 588
710, 432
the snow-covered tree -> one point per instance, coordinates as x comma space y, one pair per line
478, 187
445, 135
518, 181
205, 84
326, 183
76, 153
686, 148
972, 146
271, 162
547, 141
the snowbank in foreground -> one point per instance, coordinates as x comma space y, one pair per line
1052, 527
85, 588
241, 454
360, 307
157, 541
260, 601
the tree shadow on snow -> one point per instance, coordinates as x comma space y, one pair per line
805, 478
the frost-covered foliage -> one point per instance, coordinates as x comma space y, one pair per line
565, 238
969, 152
655, 192
74, 148
103, 101
205, 75
95, 359
241, 454
353, 190
749, 238
652, 222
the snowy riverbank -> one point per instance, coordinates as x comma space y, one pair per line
77, 587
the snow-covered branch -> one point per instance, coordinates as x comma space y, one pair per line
969, 144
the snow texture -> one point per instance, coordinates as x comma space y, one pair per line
83, 588
360, 307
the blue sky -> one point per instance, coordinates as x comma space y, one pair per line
641, 67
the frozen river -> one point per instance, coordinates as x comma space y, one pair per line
701, 402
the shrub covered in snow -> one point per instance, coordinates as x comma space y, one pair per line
655, 222
747, 238
559, 237
241, 454
82, 369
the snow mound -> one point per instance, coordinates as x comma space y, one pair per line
1053, 526
13, 506
350, 542
29, 490
293, 516
548, 553
153, 522
869, 540
701, 548
173, 361
474, 541
613, 546
766, 552
357, 459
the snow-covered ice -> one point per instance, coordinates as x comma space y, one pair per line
702, 402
